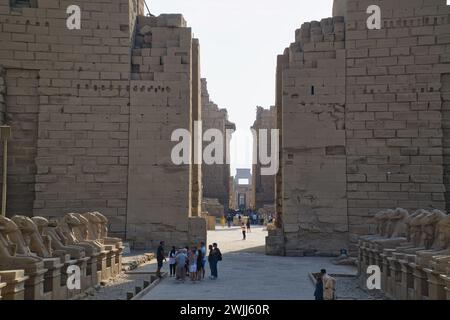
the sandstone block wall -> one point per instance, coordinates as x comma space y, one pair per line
394, 108
197, 155
2, 94
282, 64
161, 195
22, 104
92, 112
445, 90
314, 168
213, 207
216, 176
264, 186
68, 92
364, 122
197, 230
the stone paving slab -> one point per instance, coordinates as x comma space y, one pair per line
246, 273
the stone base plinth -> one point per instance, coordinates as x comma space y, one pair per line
2, 285
446, 279
421, 291
386, 276
14, 281
111, 261
34, 285
407, 283
91, 271
52, 278
103, 272
436, 285
67, 293
275, 243
85, 282
119, 255
395, 284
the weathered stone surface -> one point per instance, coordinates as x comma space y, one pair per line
363, 120
414, 267
216, 176
90, 130
242, 190
213, 207
263, 185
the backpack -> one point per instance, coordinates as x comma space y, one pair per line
219, 255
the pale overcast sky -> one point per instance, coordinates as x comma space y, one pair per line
239, 42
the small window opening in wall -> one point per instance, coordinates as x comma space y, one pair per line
313, 90
23, 3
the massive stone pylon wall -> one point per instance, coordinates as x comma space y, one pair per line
215, 177
364, 125
263, 185
92, 112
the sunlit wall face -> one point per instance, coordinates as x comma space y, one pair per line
239, 43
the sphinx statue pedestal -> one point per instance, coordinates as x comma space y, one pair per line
385, 270
361, 262
52, 278
436, 273
406, 285
92, 278
407, 281
372, 258
407, 275
119, 255
447, 287
34, 280
34, 286
446, 279
2, 285
436, 285
14, 288
394, 288
420, 282
65, 291
390, 269
381, 251
367, 256
103, 272
82, 264
111, 260
116, 262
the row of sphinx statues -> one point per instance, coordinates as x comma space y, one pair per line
412, 251
36, 254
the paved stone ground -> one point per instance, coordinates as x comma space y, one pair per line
117, 288
247, 274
